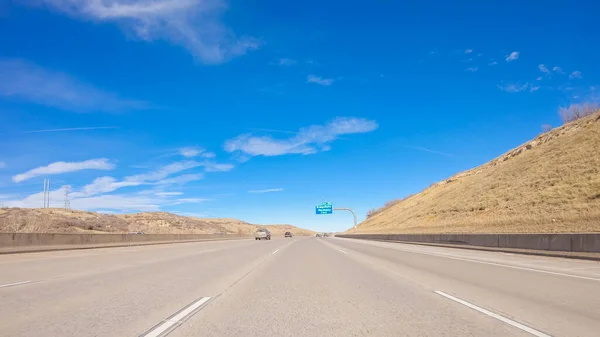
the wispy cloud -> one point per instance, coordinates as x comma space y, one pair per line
424, 149
512, 56
472, 69
164, 171
214, 167
65, 167
319, 80
514, 87
306, 141
195, 25
190, 152
181, 180
168, 194
103, 185
191, 200
87, 128
576, 74
28, 82
2, 164
544, 69
558, 70
492, 63
286, 62
269, 190
468, 51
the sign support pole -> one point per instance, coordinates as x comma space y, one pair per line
348, 209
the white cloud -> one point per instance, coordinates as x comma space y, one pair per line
65, 167
103, 185
116, 202
269, 190
191, 200
25, 81
213, 167
286, 62
576, 74
181, 180
543, 69
194, 24
492, 63
533, 88
514, 87
468, 51
512, 56
558, 70
164, 171
107, 202
190, 152
168, 194
319, 80
306, 141
37, 199
2, 164
472, 69
208, 155
539, 78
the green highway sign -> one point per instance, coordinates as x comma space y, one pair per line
324, 208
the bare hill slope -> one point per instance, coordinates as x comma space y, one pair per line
54, 220
550, 184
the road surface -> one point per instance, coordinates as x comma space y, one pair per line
296, 287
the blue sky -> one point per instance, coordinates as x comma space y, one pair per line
259, 110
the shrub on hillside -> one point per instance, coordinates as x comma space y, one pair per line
576, 111
375, 211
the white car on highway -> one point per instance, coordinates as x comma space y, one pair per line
262, 233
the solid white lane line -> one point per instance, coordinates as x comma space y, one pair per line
496, 264
180, 316
342, 251
14, 284
275, 252
493, 315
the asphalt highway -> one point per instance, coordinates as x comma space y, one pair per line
296, 287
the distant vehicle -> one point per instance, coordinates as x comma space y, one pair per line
288, 234
318, 235
325, 234
136, 233
262, 233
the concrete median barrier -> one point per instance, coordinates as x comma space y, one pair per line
26, 242
568, 243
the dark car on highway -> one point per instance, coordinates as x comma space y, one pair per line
288, 234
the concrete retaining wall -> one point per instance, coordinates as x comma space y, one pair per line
585, 243
13, 240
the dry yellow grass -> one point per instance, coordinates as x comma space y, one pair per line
548, 185
54, 220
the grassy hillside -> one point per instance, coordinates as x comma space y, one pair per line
550, 184
54, 220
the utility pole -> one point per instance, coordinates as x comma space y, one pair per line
67, 202
45, 184
48, 199
46, 193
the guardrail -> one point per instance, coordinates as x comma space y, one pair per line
577, 243
16, 240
